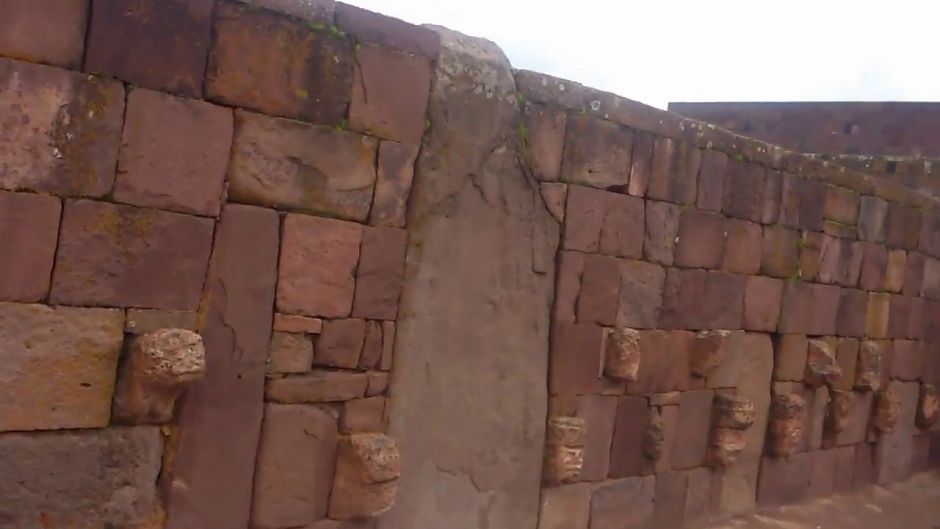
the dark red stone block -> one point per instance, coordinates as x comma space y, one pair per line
699, 299
387, 31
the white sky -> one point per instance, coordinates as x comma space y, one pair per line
656, 51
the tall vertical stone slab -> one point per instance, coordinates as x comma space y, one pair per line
220, 418
469, 391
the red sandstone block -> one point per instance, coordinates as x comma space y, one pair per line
575, 364
840, 261
902, 226
670, 499
847, 357
278, 65
662, 228
914, 274
317, 262
59, 130
841, 205
773, 197
853, 306
363, 415
871, 219
598, 413
701, 239
697, 299
796, 310
931, 326
907, 362
568, 285
296, 324
118, 256
762, 300
174, 153
811, 247
642, 163
387, 31
876, 317
544, 140
600, 285
812, 204
790, 199
874, 266
664, 362
744, 190
597, 152
790, 357
626, 449
930, 234
160, 44
825, 309
29, 230
743, 247
641, 294
784, 480
393, 184
695, 413
51, 32
389, 93
622, 230
372, 346
780, 255
901, 318
895, 271
711, 182
290, 353
674, 173
380, 275
340, 343
584, 216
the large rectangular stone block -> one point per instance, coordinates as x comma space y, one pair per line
623, 504
718, 300
597, 152
29, 231
51, 32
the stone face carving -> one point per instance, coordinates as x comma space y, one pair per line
840, 409
821, 365
887, 408
366, 479
654, 438
868, 368
928, 406
622, 354
733, 415
727, 445
158, 367
788, 415
564, 449
707, 352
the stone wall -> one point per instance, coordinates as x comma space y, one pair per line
223, 304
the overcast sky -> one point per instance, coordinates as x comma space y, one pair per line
656, 51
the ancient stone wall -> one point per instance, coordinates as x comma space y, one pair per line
285, 263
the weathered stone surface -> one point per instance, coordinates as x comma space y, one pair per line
825, 304
701, 239
711, 183
53, 33
743, 247
662, 228
29, 229
868, 368
585, 213
840, 410
209, 483
295, 464
914, 274
871, 219
707, 352
576, 358
158, 367
59, 364
379, 275
876, 316
763, 297
850, 319
563, 459
94, 478
788, 417
894, 449
907, 359
153, 43
363, 415
367, 470
784, 480
719, 300
842, 205
598, 413
698, 495
60, 130
372, 346
278, 65
622, 230
817, 400
902, 226
325, 289
695, 410
174, 153
565, 507
744, 190
821, 365
297, 324
669, 502
664, 362
600, 285
856, 422
622, 354
674, 172
290, 353
733, 411
781, 252
389, 93
555, 195
460, 329
629, 438
316, 386
312, 10
847, 358
291, 165
544, 140
887, 408
116, 255
641, 164
387, 31
623, 503
377, 383
654, 438
874, 267
927, 406
597, 152
640, 294
388, 345
726, 444
895, 271
790, 357
393, 184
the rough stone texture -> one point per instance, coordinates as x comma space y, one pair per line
290, 353
59, 365
393, 184
29, 231
622, 354
209, 484
53, 33
662, 228
744, 190
555, 195
674, 172
856, 422
762, 299
600, 284
564, 449
902, 226
895, 271
287, 164
544, 140
664, 362
598, 413
726, 445
868, 367
585, 213
174, 153
317, 386
707, 352
928, 406
784, 480
117, 255
470, 313
850, 319
871, 218
669, 503
701, 239
372, 346
387, 31
627, 446
790, 357
576, 357
643, 145
692, 432
874, 267
887, 408
153, 43
389, 93
94, 478
622, 231
840, 410
60, 130
312, 10
711, 184
781, 252
847, 358
278, 65
379, 275
326, 289
156, 369
719, 300
294, 470
842, 205
876, 316
341, 343
367, 470
743, 247
623, 504
907, 360
641, 294
894, 450
570, 268
597, 152
565, 507
787, 421
821, 365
